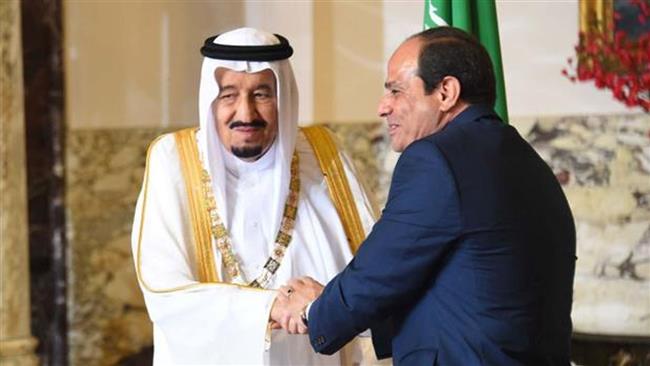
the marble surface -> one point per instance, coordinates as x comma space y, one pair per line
603, 164
368, 146
107, 316
16, 343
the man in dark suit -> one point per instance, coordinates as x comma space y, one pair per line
473, 258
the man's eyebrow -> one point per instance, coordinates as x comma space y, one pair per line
266, 87
227, 88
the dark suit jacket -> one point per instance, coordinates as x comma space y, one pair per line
471, 262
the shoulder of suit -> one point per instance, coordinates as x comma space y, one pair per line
426, 149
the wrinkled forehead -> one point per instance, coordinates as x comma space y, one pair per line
226, 77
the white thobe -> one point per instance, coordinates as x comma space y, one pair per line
208, 324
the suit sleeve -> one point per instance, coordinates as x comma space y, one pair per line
398, 259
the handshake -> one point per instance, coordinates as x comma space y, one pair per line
289, 310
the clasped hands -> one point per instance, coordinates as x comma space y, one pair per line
291, 303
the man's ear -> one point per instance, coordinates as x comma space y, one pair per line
449, 91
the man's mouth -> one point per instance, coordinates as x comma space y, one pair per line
392, 128
247, 129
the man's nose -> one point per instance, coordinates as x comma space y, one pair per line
384, 109
246, 110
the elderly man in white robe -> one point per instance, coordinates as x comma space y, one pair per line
233, 209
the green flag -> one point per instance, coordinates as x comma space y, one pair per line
478, 17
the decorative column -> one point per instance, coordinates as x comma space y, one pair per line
16, 343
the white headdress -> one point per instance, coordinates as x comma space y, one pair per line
236, 50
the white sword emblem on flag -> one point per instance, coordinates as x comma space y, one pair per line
435, 18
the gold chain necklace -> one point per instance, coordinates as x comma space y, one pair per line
282, 240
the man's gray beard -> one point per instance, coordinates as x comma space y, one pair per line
247, 152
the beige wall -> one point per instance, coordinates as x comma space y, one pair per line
136, 63
348, 60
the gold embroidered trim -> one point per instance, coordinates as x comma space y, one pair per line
282, 240
145, 189
337, 183
338, 186
138, 269
193, 175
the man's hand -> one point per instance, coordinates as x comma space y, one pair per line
291, 303
279, 304
283, 310
306, 288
